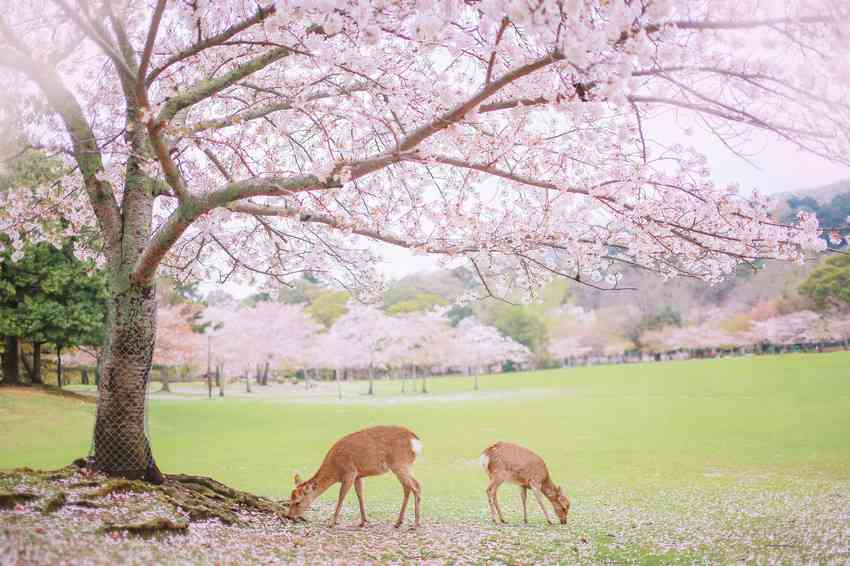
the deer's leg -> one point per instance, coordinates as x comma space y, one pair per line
407, 491
524, 495
358, 489
492, 491
409, 483
347, 480
406, 478
490, 504
417, 490
539, 497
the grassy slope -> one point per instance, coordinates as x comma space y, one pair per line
666, 463
41, 430
623, 424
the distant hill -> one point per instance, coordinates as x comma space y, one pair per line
821, 194
447, 283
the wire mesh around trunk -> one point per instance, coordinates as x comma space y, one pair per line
121, 443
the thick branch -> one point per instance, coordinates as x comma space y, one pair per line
85, 150
263, 111
189, 211
457, 113
303, 216
205, 89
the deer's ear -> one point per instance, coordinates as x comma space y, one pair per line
297, 479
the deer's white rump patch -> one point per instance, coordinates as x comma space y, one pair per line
416, 444
485, 461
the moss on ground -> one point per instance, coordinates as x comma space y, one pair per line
179, 500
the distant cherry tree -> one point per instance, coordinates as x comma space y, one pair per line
477, 347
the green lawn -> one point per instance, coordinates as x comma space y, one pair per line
637, 435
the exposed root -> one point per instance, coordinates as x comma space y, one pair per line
203, 497
118, 486
149, 527
178, 497
53, 502
10, 499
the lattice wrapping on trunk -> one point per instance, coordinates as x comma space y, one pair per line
120, 444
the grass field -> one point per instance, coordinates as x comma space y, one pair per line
706, 461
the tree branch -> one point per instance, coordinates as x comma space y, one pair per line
84, 144
153, 29
91, 31
212, 41
205, 89
263, 111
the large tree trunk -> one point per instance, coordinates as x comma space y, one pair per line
11, 364
121, 446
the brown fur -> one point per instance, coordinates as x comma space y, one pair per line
368, 452
506, 462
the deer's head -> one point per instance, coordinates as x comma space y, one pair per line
560, 502
301, 499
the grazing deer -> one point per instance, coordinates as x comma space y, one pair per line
506, 462
368, 452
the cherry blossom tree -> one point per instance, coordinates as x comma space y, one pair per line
478, 346
267, 334
423, 339
177, 344
269, 139
706, 335
369, 334
567, 347
793, 328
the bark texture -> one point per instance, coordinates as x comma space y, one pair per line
121, 446
11, 366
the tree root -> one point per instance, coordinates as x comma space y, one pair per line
118, 486
204, 498
9, 499
180, 495
53, 502
149, 527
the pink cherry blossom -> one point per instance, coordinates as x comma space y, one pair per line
259, 141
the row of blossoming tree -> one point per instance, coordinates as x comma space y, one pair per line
762, 328
213, 138
363, 343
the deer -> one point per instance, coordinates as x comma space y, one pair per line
506, 462
368, 452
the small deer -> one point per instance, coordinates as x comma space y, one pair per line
368, 452
506, 462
